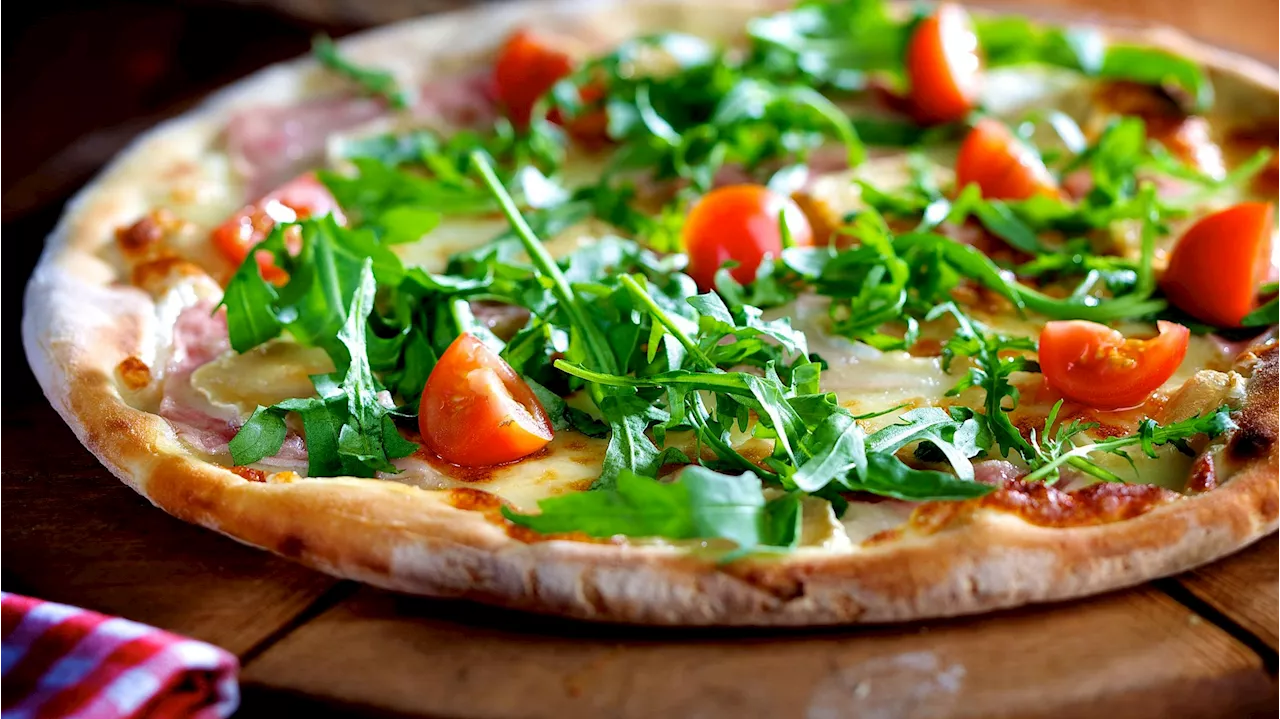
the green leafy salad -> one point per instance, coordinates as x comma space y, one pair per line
670, 337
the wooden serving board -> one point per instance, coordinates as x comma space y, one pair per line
1200, 645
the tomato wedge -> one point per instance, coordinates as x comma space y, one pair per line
739, 223
1097, 366
1216, 267
476, 411
302, 197
943, 66
526, 69
1001, 165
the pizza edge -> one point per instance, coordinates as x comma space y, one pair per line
445, 543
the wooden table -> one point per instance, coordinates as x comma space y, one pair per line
1200, 645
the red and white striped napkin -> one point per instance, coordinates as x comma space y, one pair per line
60, 661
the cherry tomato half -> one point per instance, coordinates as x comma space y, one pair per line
1095, 365
476, 411
943, 66
526, 69
1216, 267
1002, 165
739, 223
302, 197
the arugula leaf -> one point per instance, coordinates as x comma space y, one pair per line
952, 437
262, 435
830, 44
888, 476
348, 429
374, 82
364, 443
629, 448
250, 301
970, 262
1264, 315
990, 372
835, 447
1013, 40
1050, 446
700, 504
1149, 436
399, 185
1154, 66
997, 217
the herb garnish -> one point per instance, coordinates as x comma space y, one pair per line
1149, 436
379, 83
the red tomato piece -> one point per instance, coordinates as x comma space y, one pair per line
1216, 267
739, 223
1001, 165
302, 197
943, 66
476, 411
591, 127
1097, 366
526, 69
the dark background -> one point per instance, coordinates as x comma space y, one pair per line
80, 79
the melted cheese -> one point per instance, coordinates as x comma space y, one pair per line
265, 375
571, 462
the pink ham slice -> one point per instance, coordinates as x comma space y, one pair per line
996, 472
199, 337
269, 145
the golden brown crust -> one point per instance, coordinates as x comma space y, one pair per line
81, 323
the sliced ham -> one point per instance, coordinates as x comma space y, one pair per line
199, 337
269, 145
996, 472
461, 101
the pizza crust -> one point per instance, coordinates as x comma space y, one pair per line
81, 320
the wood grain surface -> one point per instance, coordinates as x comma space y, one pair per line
1200, 645
1135, 654
72, 533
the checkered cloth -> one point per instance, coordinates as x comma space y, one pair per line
60, 661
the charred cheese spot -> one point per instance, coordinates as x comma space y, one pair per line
1101, 503
1042, 505
159, 275
249, 473
1204, 474
822, 218
142, 238
1250, 442
134, 374
473, 500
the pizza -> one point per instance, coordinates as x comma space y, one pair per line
709, 313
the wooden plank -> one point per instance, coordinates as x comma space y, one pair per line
74, 534
1245, 587
1135, 654
1243, 26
